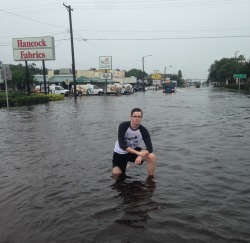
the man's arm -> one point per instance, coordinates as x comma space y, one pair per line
121, 135
139, 153
147, 140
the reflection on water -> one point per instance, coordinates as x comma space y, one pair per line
56, 184
136, 201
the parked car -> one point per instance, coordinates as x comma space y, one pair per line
137, 88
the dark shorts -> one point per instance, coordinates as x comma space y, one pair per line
121, 160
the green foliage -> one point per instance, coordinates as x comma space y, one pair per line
16, 99
57, 71
55, 97
243, 87
179, 75
19, 75
136, 73
181, 82
178, 78
225, 68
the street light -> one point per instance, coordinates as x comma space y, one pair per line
235, 55
165, 75
143, 85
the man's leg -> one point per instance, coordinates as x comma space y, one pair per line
150, 158
117, 172
119, 164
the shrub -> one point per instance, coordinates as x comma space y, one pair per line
55, 97
16, 99
243, 87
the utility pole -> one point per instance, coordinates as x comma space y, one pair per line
44, 78
3, 68
165, 72
72, 49
27, 77
143, 86
143, 82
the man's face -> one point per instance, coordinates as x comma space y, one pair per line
136, 118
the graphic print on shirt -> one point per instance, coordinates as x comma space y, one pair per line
132, 138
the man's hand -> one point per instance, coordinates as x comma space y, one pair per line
143, 153
138, 160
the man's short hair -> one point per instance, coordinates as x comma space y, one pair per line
136, 110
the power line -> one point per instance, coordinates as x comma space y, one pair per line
34, 20
168, 38
163, 31
152, 4
144, 39
128, 5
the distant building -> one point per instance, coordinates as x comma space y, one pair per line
39, 78
130, 80
64, 71
117, 75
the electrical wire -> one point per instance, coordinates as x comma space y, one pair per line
34, 20
168, 38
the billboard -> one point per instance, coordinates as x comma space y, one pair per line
105, 63
33, 48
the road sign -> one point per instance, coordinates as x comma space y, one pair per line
156, 82
6, 72
156, 76
240, 76
105, 63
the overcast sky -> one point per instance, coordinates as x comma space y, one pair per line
188, 35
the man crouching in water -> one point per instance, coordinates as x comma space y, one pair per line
130, 134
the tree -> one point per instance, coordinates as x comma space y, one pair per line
177, 77
241, 58
19, 75
136, 73
57, 71
180, 80
224, 69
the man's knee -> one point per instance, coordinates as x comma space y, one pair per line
151, 157
116, 171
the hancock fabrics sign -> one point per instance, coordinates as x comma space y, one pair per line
33, 48
105, 63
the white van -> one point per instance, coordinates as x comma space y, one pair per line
56, 89
87, 89
127, 89
114, 89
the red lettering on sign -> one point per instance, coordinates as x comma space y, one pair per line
25, 44
32, 55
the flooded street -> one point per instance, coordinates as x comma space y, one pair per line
56, 159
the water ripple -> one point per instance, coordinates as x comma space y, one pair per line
55, 171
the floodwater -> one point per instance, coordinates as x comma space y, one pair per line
55, 170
